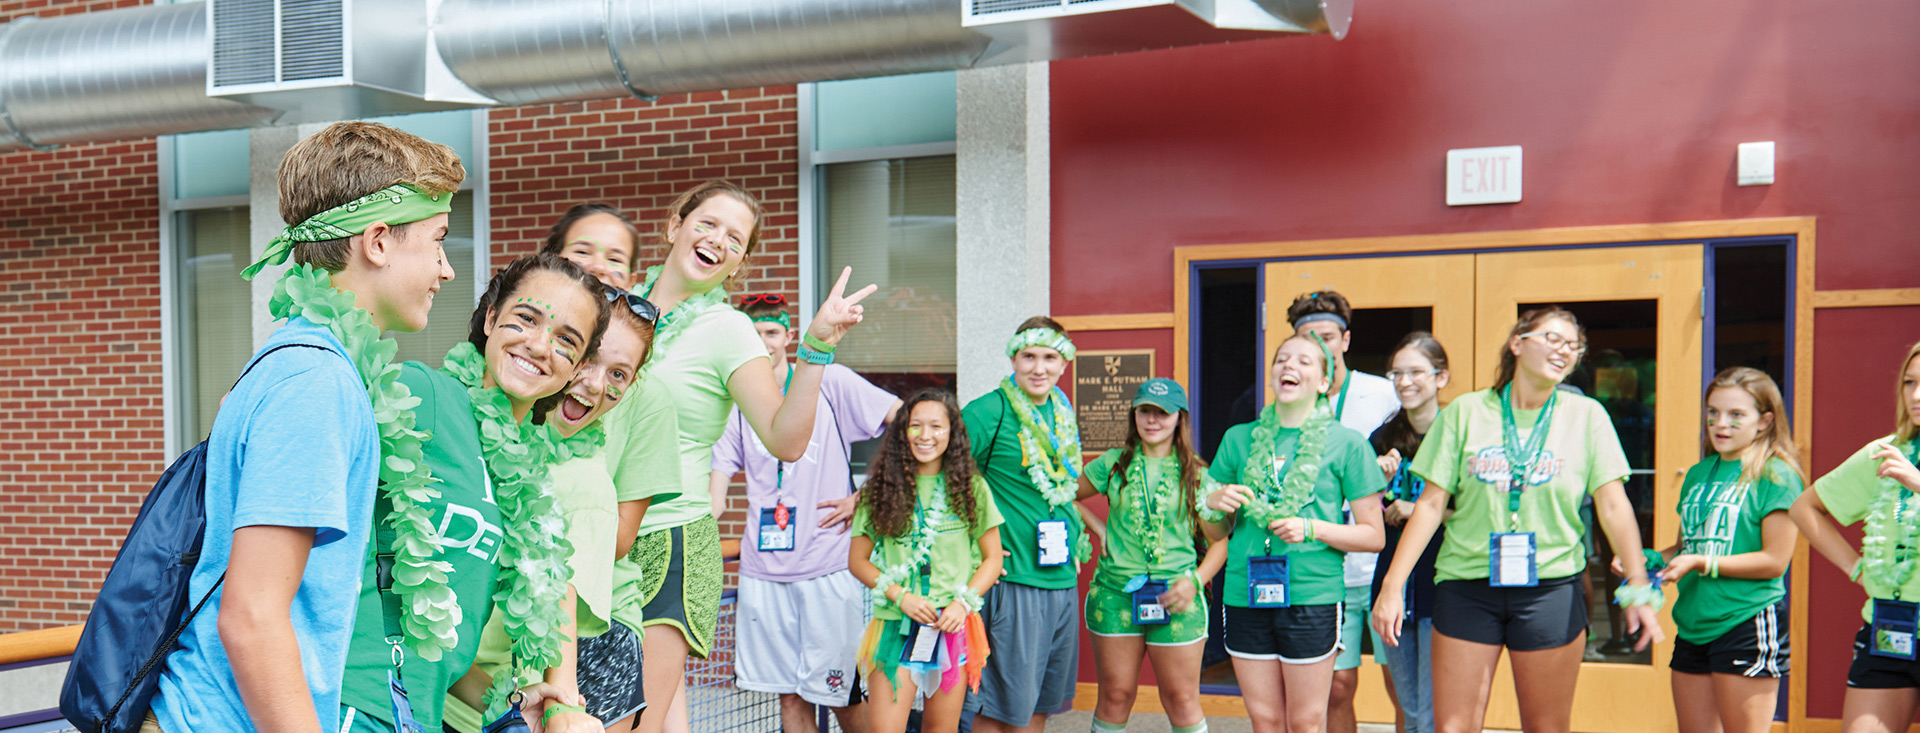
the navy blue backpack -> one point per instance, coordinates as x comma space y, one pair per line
143, 606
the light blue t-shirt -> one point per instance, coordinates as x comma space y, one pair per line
294, 445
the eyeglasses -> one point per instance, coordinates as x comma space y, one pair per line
768, 298
1411, 375
642, 308
1559, 343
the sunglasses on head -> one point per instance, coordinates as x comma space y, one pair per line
641, 307
769, 299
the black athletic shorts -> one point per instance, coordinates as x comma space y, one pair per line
1755, 648
609, 673
1528, 619
1295, 634
1871, 672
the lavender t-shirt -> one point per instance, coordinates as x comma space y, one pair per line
851, 409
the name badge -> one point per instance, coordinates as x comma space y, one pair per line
922, 647
1893, 628
1146, 604
776, 529
1513, 560
1268, 581
1052, 540
403, 721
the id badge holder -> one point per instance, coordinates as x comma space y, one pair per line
1051, 538
1269, 581
1147, 610
510, 721
1894, 625
922, 647
1513, 560
403, 721
776, 529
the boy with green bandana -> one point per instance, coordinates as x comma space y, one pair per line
1027, 444
294, 455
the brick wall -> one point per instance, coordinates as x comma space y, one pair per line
638, 156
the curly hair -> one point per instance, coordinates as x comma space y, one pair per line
890, 494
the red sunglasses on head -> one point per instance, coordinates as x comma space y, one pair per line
769, 299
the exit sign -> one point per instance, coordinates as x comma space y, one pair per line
1483, 176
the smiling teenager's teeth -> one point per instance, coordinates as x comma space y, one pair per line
528, 367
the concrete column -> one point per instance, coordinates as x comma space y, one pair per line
266, 146
1003, 198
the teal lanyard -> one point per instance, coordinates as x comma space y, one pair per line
1340, 407
1521, 457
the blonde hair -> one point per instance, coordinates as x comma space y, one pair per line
348, 160
1904, 429
1776, 438
684, 205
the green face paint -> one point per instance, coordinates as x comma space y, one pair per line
913, 431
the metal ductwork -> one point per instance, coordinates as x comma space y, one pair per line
135, 72
140, 72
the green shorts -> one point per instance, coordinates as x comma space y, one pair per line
1354, 626
1110, 613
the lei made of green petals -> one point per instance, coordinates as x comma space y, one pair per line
1146, 509
920, 541
674, 323
1285, 501
533, 574
1892, 538
429, 613
1053, 464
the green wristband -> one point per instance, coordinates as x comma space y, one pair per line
558, 708
1309, 526
814, 342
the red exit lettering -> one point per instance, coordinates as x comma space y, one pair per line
1486, 174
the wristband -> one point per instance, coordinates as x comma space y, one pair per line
558, 708
1858, 565
1713, 566
815, 356
1309, 526
813, 342
965, 594
1648, 595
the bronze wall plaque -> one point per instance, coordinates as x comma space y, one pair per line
1103, 387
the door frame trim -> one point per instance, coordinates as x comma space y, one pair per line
1188, 260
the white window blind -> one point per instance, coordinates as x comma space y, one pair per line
892, 221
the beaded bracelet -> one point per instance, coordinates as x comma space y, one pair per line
1648, 595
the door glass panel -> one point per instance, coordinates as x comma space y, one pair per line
1619, 371
1376, 330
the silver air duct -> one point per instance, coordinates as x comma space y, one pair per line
140, 72
134, 72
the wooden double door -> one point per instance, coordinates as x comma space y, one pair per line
1642, 308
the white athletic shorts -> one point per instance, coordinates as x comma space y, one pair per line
800, 637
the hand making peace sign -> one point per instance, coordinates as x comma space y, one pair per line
839, 312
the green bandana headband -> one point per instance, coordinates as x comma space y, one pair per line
400, 203
779, 317
1041, 337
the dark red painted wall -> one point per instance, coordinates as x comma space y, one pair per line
1629, 112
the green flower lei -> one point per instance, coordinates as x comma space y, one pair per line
533, 575
1141, 515
429, 612
1892, 537
673, 323
1284, 500
1053, 464
919, 538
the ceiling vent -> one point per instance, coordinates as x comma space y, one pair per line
1038, 30
324, 60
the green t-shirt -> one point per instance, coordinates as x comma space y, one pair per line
1317, 572
956, 545
645, 463
1729, 524
1463, 455
993, 429
1849, 491
466, 516
1127, 552
694, 373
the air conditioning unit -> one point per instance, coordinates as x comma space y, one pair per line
323, 60
1037, 30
